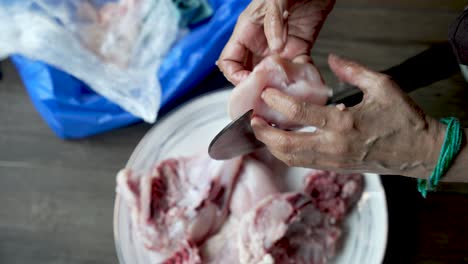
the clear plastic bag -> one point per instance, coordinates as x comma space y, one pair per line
115, 47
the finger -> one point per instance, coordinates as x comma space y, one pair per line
231, 61
311, 160
274, 26
283, 141
353, 73
292, 159
302, 59
295, 47
303, 112
315, 161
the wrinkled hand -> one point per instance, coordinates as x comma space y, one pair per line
386, 133
272, 26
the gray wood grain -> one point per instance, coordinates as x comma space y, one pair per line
387, 25
57, 195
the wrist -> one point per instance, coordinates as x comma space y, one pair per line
435, 140
427, 149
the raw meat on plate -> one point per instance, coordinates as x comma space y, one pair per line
286, 228
255, 183
195, 210
332, 193
181, 202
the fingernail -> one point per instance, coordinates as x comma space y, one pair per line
254, 122
265, 93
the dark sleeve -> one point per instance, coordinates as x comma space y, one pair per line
458, 37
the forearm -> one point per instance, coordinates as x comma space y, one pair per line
458, 172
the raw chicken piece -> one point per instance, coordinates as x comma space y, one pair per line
112, 30
188, 254
183, 200
278, 168
197, 210
254, 184
301, 80
222, 248
334, 194
286, 228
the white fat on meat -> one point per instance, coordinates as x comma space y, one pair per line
255, 183
300, 80
182, 200
222, 247
194, 210
286, 228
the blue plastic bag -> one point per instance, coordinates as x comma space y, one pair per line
73, 110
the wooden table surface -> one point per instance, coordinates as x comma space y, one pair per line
57, 196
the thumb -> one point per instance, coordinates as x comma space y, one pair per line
370, 82
274, 24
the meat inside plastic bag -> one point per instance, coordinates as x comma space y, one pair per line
115, 47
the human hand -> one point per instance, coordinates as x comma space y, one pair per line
301, 80
265, 27
386, 133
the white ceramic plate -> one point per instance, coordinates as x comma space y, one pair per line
189, 129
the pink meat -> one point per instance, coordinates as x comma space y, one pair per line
334, 194
196, 210
222, 247
185, 199
255, 183
301, 80
286, 228
187, 254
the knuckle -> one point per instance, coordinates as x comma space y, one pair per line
383, 80
285, 144
298, 111
341, 146
323, 122
346, 122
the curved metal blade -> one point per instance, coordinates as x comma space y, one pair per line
235, 139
